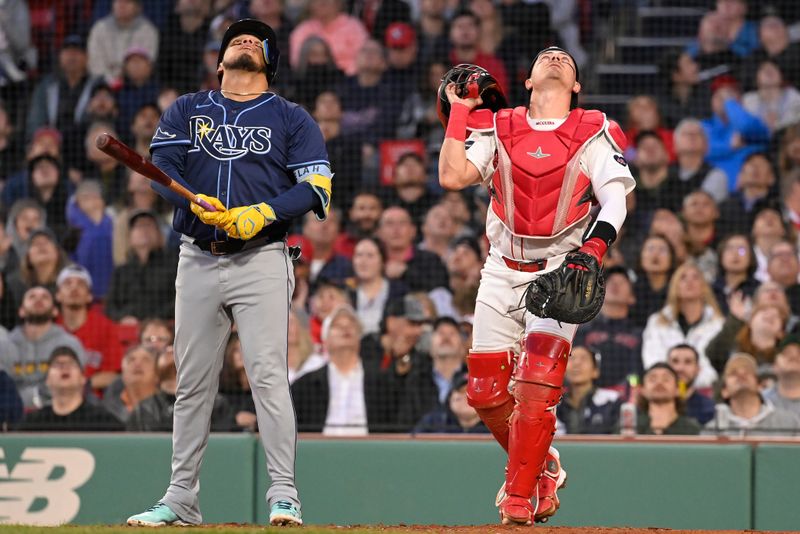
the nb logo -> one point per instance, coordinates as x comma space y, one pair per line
40, 488
227, 142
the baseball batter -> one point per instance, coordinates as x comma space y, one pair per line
261, 162
545, 165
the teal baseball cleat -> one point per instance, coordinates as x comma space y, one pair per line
158, 515
284, 513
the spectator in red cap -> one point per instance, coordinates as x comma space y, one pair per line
402, 54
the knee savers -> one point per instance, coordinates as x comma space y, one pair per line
544, 360
489, 375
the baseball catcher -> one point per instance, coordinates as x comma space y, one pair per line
545, 165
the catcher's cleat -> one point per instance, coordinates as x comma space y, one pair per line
515, 510
285, 514
553, 479
158, 515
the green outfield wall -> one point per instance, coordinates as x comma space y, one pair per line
104, 478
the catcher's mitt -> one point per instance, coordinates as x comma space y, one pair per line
573, 293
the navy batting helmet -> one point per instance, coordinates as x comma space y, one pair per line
471, 81
269, 43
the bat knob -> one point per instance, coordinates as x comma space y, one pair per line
102, 140
203, 204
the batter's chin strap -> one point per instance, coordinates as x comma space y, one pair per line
322, 186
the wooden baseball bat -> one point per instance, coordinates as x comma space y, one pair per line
133, 160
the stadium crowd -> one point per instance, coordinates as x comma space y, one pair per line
700, 322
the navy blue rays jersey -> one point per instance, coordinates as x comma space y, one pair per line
243, 153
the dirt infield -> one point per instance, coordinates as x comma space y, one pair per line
356, 529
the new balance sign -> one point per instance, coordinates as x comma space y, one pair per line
41, 488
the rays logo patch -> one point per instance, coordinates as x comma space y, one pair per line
621, 160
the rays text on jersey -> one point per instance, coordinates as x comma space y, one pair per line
226, 141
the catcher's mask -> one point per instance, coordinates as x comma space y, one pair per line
269, 43
471, 81
573, 103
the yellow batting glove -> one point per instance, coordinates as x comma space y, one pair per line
322, 187
248, 221
220, 218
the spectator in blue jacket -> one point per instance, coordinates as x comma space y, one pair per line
86, 213
733, 133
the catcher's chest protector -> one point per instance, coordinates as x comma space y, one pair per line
539, 188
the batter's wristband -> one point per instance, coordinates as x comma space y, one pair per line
457, 122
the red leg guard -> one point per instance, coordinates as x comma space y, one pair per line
539, 378
487, 390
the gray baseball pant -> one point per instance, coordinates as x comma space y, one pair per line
254, 289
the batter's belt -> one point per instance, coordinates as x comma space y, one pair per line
232, 246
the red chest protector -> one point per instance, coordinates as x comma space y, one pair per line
539, 188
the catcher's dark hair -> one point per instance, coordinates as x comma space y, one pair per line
573, 103
684, 346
